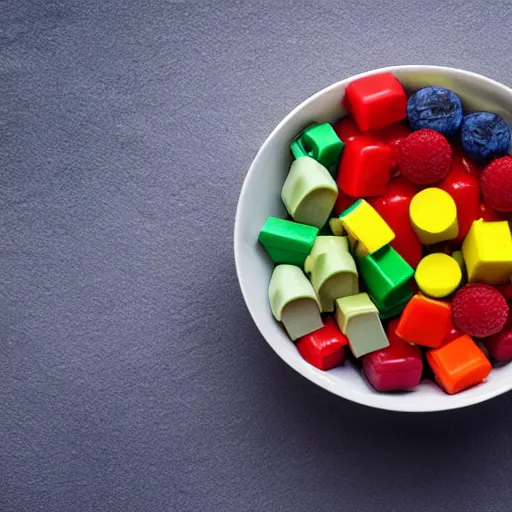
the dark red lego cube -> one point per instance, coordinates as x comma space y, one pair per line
396, 368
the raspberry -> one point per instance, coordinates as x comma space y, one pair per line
496, 184
425, 157
479, 310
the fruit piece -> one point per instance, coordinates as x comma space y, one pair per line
496, 183
459, 364
425, 157
435, 108
485, 135
479, 310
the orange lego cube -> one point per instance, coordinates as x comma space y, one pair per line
459, 364
425, 321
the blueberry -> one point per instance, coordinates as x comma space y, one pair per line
436, 108
484, 136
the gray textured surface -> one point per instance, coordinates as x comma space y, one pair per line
131, 376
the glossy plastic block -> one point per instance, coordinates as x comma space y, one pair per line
309, 192
487, 252
286, 241
386, 275
293, 301
376, 101
324, 348
358, 319
425, 321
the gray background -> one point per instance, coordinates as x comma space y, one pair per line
131, 375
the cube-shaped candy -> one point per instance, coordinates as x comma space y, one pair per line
365, 167
395, 368
453, 334
386, 275
433, 215
505, 289
393, 207
488, 214
499, 346
464, 188
376, 101
324, 348
425, 321
487, 251
293, 301
346, 129
320, 142
364, 226
459, 364
358, 319
286, 241
333, 270
309, 192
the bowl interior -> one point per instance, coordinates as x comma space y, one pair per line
260, 198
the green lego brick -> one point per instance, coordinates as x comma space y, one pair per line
320, 142
286, 241
396, 309
297, 149
386, 275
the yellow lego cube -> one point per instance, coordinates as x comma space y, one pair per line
366, 229
487, 252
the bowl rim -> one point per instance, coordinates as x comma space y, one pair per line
306, 370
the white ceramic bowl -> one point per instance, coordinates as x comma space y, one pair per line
260, 198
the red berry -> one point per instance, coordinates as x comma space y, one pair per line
479, 310
496, 184
425, 157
